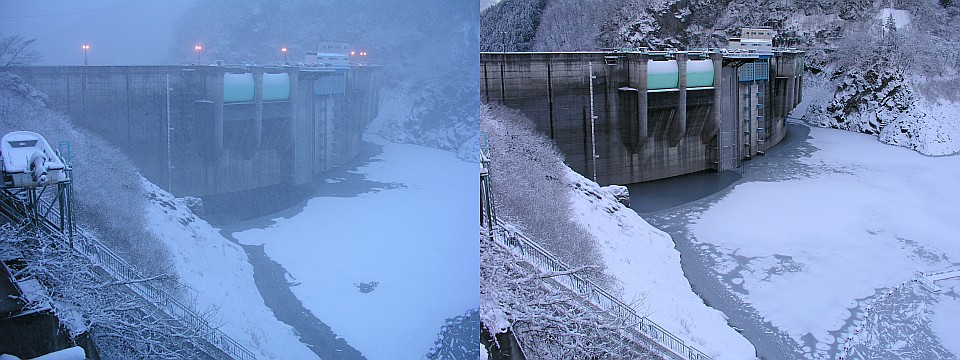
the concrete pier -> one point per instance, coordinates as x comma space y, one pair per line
659, 114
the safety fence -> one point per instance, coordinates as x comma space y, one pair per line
533, 253
113, 264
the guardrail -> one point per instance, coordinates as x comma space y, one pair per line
533, 253
112, 263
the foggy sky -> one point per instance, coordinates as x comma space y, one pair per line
120, 32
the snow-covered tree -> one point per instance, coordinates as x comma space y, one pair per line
550, 323
86, 300
530, 188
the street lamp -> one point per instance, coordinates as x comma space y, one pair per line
85, 47
284, 51
198, 49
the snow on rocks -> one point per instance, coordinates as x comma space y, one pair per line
932, 128
647, 265
222, 277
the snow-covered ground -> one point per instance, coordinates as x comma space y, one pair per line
945, 324
487, 3
808, 251
416, 240
222, 277
647, 265
900, 17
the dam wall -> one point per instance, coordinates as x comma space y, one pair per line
206, 130
638, 116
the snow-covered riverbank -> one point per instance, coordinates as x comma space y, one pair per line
386, 267
647, 266
219, 274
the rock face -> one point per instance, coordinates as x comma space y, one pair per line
866, 100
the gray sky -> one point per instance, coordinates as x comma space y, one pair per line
120, 32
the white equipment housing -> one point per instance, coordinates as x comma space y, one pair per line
28, 161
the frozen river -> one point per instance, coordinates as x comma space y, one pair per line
811, 250
384, 254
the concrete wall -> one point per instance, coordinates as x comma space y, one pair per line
210, 146
639, 134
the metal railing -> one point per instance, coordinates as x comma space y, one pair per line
533, 253
112, 263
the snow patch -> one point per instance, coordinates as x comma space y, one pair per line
221, 275
900, 17
945, 325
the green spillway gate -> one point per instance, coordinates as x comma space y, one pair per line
276, 87
238, 87
664, 75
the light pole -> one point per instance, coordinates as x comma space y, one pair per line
284, 51
363, 54
198, 49
85, 47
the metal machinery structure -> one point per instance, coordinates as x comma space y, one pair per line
487, 215
30, 169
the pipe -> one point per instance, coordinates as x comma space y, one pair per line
642, 106
679, 129
713, 125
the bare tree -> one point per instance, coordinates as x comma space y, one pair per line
531, 188
16, 50
549, 322
86, 300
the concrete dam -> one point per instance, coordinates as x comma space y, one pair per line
209, 130
634, 116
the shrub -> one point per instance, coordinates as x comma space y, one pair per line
531, 189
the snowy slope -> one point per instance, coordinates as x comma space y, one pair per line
945, 325
818, 245
223, 278
414, 235
645, 261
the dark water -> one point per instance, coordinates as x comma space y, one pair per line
667, 193
284, 201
